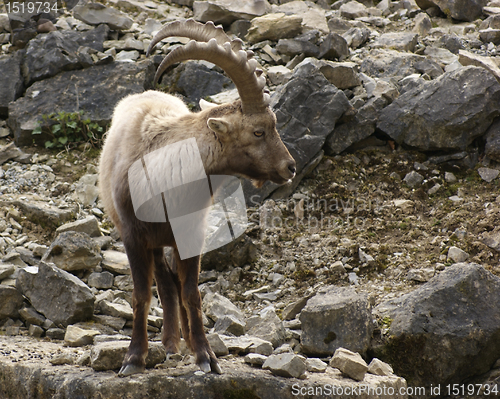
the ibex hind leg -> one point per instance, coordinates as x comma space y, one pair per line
186, 333
141, 266
187, 271
166, 282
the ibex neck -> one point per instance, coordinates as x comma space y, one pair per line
209, 147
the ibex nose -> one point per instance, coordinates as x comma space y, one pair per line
292, 167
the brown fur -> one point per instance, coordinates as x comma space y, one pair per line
141, 124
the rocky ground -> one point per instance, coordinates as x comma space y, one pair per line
386, 244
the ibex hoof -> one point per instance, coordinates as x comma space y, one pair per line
130, 369
215, 366
210, 366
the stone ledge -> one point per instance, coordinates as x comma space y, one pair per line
25, 372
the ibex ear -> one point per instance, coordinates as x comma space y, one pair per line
218, 125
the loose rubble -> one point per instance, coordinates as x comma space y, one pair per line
344, 276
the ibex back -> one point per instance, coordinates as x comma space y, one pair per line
233, 139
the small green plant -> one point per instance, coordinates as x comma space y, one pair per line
67, 128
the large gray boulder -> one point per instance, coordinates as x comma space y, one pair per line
11, 83
336, 317
57, 294
96, 91
447, 113
47, 55
307, 109
445, 331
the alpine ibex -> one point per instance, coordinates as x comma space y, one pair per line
237, 139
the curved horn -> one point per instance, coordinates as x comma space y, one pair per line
238, 64
191, 29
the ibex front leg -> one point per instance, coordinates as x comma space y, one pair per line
141, 266
188, 271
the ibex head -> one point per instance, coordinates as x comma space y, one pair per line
246, 129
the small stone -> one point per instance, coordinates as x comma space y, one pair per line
413, 179
420, 166
316, 365
76, 336
72, 251
262, 347
39, 250
6, 271
274, 27
35, 331
216, 305
86, 191
109, 355
285, 365
230, 324
378, 367
55, 333
278, 74
98, 339
127, 55
420, 275
84, 359
255, 359
450, 177
116, 310
96, 13
434, 189
116, 262
31, 316
124, 283
423, 24
487, 174
395, 176
365, 258
63, 358
349, 363
246, 344
10, 302
12, 330
267, 326
353, 10
89, 225
114, 322
103, 280
457, 255
217, 345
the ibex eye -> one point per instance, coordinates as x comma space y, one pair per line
259, 133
